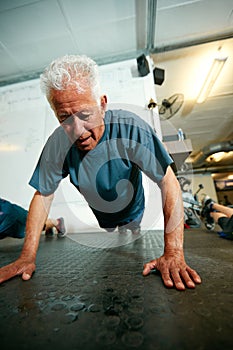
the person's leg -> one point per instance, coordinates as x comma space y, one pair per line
212, 212
209, 205
122, 229
223, 209
226, 225
134, 225
109, 229
50, 223
208, 221
216, 216
58, 224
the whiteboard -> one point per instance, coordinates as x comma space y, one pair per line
26, 121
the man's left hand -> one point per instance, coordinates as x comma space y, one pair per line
174, 271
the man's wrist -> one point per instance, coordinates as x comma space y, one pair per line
30, 256
171, 250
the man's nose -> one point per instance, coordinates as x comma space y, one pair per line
78, 126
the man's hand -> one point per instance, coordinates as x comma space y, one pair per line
19, 267
174, 271
37, 215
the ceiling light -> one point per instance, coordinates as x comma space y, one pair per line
211, 77
216, 157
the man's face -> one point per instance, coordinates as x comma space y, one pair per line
80, 116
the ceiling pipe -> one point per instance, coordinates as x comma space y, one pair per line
200, 158
194, 42
151, 20
207, 170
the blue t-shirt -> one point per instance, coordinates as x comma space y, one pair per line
109, 176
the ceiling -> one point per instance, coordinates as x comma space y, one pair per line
181, 37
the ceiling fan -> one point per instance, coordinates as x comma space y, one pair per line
171, 106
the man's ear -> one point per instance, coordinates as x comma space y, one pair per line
103, 101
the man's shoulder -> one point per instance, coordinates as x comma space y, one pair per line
121, 113
125, 116
59, 137
58, 132
127, 119
57, 145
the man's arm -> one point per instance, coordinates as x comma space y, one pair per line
172, 265
37, 215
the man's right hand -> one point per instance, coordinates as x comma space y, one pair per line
21, 266
25, 264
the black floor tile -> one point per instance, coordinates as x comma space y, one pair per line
82, 297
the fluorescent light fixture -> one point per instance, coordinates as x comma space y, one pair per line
216, 157
219, 156
211, 77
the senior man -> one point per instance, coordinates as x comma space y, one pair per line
104, 152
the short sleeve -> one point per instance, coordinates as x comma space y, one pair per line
50, 169
150, 155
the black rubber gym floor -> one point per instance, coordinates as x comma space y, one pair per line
95, 299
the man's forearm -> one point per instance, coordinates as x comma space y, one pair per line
173, 241
173, 212
37, 215
172, 265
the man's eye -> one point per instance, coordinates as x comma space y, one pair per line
66, 120
83, 116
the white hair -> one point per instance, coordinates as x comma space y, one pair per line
71, 70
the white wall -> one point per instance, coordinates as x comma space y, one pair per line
209, 188
26, 121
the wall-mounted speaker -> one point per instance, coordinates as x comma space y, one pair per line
143, 66
158, 74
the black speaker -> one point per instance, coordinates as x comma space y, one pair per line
143, 66
158, 75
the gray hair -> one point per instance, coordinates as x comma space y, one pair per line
71, 70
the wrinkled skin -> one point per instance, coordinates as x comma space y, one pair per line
172, 266
20, 267
25, 264
174, 271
